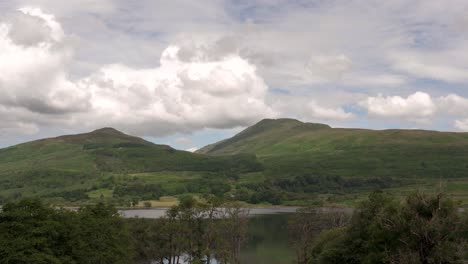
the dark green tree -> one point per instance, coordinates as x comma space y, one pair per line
31, 232
423, 229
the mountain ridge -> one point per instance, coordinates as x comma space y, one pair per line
299, 158
93, 161
295, 146
258, 128
296, 127
272, 161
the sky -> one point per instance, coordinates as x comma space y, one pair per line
189, 73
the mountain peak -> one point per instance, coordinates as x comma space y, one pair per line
289, 122
280, 120
107, 130
270, 130
102, 135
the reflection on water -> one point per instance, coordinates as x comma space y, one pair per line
144, 213
160, 212
268, 241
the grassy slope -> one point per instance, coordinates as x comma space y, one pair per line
99, 160
55, 165
289, 147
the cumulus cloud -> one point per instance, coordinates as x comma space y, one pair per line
417, 106
212, 67
462, 124
453, 104
307, 109
420, 107
327, 113
457, 106
33, 63
180, 95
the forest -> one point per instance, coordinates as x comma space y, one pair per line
193, 232
422, 228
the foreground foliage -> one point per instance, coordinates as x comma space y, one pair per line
422, 229
31, 232
192, 232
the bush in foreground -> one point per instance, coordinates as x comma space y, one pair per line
31, 232
422, 229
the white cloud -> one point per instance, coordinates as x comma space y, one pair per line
55, 29
327, 113
178, 96
306, 109
191, 149
462, 124
417, 106
32, 72
101, 64
420, 107
453, 104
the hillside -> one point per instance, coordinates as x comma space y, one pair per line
104, 160
281, 161
263, 134
290, 149
286, 143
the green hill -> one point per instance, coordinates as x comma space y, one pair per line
103, 161
297, 154
281, 161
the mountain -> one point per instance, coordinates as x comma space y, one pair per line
263, 134
76, 165
290, 149
285, 144
276, 161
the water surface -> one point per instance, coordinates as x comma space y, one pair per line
267, 242
160, 212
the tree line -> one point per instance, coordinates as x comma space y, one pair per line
31, 232
192, 232
422, 229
